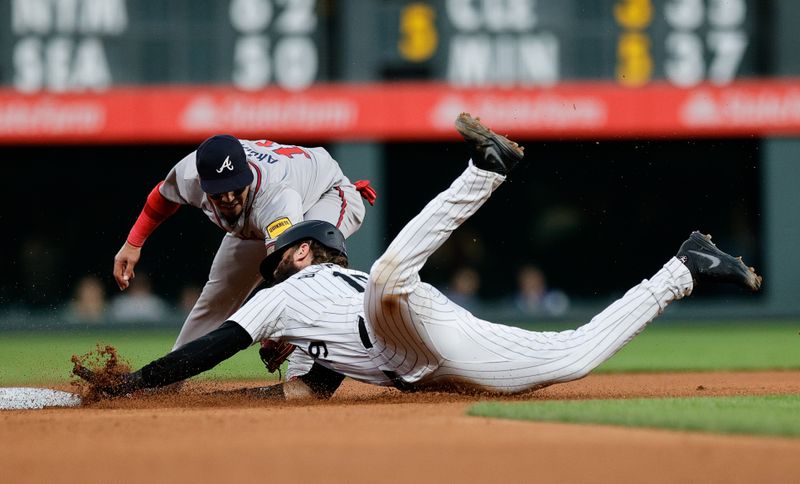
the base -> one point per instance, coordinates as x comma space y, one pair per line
36, 398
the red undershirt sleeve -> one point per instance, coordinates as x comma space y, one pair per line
156, 210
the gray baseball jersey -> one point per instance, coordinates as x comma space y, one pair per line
388, 327
290, 184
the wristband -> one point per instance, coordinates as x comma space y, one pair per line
156, 209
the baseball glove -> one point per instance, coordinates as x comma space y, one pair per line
274, 353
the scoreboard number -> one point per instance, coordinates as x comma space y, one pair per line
289, 56
418, 36
724, 43
634, 58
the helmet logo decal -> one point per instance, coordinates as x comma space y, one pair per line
227, 164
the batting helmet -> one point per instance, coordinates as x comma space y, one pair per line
323, 232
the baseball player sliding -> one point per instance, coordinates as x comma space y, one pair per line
389, 328
254, 190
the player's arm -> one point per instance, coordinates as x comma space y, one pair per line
319, 383
189, 360
156, 209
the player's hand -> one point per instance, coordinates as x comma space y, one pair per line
124, 262
109, 385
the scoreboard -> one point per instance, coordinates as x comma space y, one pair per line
74, 45
154, 70
540, 42
79, 45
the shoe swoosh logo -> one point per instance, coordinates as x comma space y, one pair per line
714, 259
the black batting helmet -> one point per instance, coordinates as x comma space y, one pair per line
323, 232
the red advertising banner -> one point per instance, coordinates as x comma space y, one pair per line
401, 111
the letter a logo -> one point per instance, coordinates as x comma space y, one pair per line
226, 165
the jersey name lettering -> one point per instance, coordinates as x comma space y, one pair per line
265, 157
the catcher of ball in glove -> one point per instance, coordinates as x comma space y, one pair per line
274, 353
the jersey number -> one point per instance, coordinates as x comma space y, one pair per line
351, 280
317, 348
284, 150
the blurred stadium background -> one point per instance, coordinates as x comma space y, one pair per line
643, 119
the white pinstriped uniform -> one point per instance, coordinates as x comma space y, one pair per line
320, 304
291, 183
418, 335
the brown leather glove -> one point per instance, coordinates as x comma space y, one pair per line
274, 353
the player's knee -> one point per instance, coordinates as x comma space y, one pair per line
384, 272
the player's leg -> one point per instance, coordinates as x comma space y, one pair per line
506, 359
499, 358
493, 156
395, 301
342, 206
395, 275
233, 276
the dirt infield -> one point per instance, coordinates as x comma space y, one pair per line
368, 434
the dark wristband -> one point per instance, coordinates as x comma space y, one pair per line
196, 356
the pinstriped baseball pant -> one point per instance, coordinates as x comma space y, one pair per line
426, 339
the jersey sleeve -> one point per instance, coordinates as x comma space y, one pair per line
261, 315
156, 209
277, 214
182, 184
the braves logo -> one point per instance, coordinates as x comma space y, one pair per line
227, 164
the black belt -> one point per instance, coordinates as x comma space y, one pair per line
397, 381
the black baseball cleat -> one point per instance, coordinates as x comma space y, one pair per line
489, 150
709, 264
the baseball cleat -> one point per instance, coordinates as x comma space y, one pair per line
489, 150
709, 264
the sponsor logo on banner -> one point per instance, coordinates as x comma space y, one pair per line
738, 107
205, 113
547, 110
401, 111
47, 116
278, 227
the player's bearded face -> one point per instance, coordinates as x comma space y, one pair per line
286, 267
230, 204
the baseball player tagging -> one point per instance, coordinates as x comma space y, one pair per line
388, 327
254, 190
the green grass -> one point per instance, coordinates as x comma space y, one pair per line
39, 357
705, 347
764, 415
43, 357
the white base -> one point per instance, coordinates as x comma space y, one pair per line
36, 398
